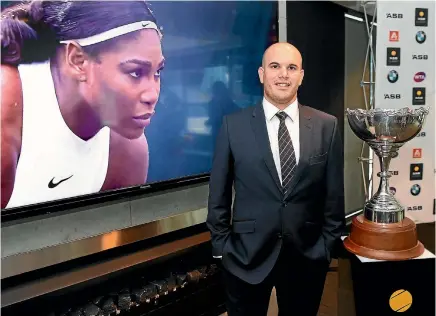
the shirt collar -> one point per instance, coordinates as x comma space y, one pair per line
270, 110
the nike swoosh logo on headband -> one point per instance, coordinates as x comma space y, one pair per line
118, 31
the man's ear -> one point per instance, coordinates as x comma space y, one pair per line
301, 78
261, 72
77, 61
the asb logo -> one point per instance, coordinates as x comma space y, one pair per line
420, 37
414, 208
421, 17
393, 55
394, 15
392, 76
394, 36
416, 171
418, 96
419, 76
420, 57
417, 153
392, 96
415, 189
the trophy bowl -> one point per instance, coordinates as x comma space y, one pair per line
383, 231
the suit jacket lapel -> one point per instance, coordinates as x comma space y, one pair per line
305, 141
258, 124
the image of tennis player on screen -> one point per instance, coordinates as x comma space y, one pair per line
80, 82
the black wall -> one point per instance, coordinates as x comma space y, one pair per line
317, 29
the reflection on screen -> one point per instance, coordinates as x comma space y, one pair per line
213, 51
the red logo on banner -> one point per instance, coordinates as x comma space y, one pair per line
417, 153
394, 36
419, 76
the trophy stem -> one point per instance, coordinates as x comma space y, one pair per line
384, 175
383, 207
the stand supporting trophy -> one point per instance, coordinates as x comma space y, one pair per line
383, 232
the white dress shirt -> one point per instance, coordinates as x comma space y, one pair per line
292, 123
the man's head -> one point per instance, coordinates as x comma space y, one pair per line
281, 74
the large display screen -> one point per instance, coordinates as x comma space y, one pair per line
104, 95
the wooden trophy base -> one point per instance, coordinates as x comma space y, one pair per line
397, 241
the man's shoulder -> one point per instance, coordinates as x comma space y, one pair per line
318, 114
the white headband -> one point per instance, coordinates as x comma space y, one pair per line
118, 31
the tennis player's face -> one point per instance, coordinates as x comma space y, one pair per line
126, 84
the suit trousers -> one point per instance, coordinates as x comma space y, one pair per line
299, 284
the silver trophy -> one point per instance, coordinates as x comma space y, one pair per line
385, 131
383, 232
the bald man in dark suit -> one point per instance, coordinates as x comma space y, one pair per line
284, 162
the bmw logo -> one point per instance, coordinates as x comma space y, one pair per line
392, 76
420, 37
415, 190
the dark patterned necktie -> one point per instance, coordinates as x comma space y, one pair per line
287, 153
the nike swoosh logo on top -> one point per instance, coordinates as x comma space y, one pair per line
52, 185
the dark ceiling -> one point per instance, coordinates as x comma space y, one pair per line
358, 6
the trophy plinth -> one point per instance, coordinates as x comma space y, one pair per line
383, 232
397, 241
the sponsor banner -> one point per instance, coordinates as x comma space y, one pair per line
405, 77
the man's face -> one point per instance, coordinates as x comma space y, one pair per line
281, 74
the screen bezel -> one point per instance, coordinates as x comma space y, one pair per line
67, 204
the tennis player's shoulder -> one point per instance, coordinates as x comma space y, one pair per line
12, 97
11, 127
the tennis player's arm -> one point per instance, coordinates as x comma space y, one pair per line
11, 127
128, 162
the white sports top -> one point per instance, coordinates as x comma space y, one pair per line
54, 163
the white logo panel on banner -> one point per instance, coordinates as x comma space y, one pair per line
405, 77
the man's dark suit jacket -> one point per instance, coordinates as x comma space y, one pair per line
310, 216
